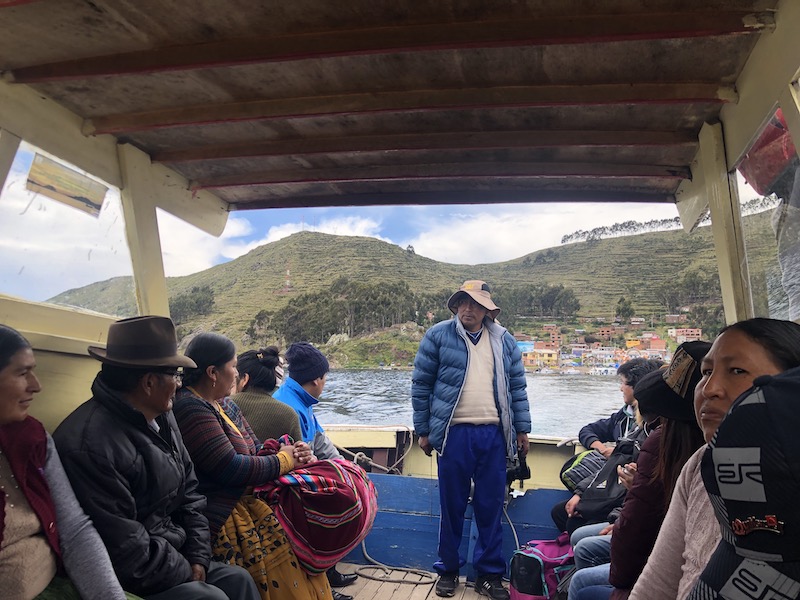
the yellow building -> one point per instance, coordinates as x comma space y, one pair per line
540, 357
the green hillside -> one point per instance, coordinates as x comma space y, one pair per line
599, 272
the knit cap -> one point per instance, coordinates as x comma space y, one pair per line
306, 363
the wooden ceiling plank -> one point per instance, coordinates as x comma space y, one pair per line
466, 141
550, 30
415, 101
10, 3
447, 171
466, 196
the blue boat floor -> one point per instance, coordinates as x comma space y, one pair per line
385, 586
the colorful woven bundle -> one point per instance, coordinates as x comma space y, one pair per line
326, 509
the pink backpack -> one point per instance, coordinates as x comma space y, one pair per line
538, 566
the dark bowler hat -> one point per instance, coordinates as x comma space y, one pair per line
142, 342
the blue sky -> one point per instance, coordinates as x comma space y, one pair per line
47, 247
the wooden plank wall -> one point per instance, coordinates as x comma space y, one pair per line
406, 529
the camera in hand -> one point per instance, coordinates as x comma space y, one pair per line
519, 471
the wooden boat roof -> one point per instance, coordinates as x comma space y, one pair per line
313, 103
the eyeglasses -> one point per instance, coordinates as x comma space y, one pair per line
176, 375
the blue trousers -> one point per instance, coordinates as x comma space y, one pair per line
586, 531
592, 550
473, 453
594, 592
591, 576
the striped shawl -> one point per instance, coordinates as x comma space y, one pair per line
326, 509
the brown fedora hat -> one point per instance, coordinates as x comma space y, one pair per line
142, 342
478, 291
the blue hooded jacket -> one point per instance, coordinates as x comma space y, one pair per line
440, 368
293, 394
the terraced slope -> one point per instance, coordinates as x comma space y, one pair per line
599, 272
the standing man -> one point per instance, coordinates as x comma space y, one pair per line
124, 456
308, 371
470, 405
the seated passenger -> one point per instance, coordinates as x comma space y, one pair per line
618, 426
594, 436
44, 533
244, 530
126, 461
690, 533
260, 372
758, 553
308, 371
669, 395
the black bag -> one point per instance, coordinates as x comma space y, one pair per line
562, 591
605, 492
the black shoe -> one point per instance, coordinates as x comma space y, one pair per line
492, 586
338, 579
340, 596
447, 584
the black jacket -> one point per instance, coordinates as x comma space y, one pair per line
612, 429
139, 488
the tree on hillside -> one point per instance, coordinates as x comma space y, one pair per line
349, 307
260, 331
621, 229
624, 310
197, 301
549, 298
433, 303
566, 304
709, 318
693, 288
535, 300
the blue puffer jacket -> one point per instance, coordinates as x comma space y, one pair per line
439, 370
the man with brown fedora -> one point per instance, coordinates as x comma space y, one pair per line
123, 453
470, 405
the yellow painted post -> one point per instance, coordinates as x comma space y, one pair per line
141, 229
790, 104
726, 225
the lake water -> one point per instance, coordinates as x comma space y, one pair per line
560, 404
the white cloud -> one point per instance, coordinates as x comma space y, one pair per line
48, 247
187, 250
335, 225
510, 231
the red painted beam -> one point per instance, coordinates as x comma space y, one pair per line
544, 31
415, 101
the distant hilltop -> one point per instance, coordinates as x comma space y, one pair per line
271, 276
